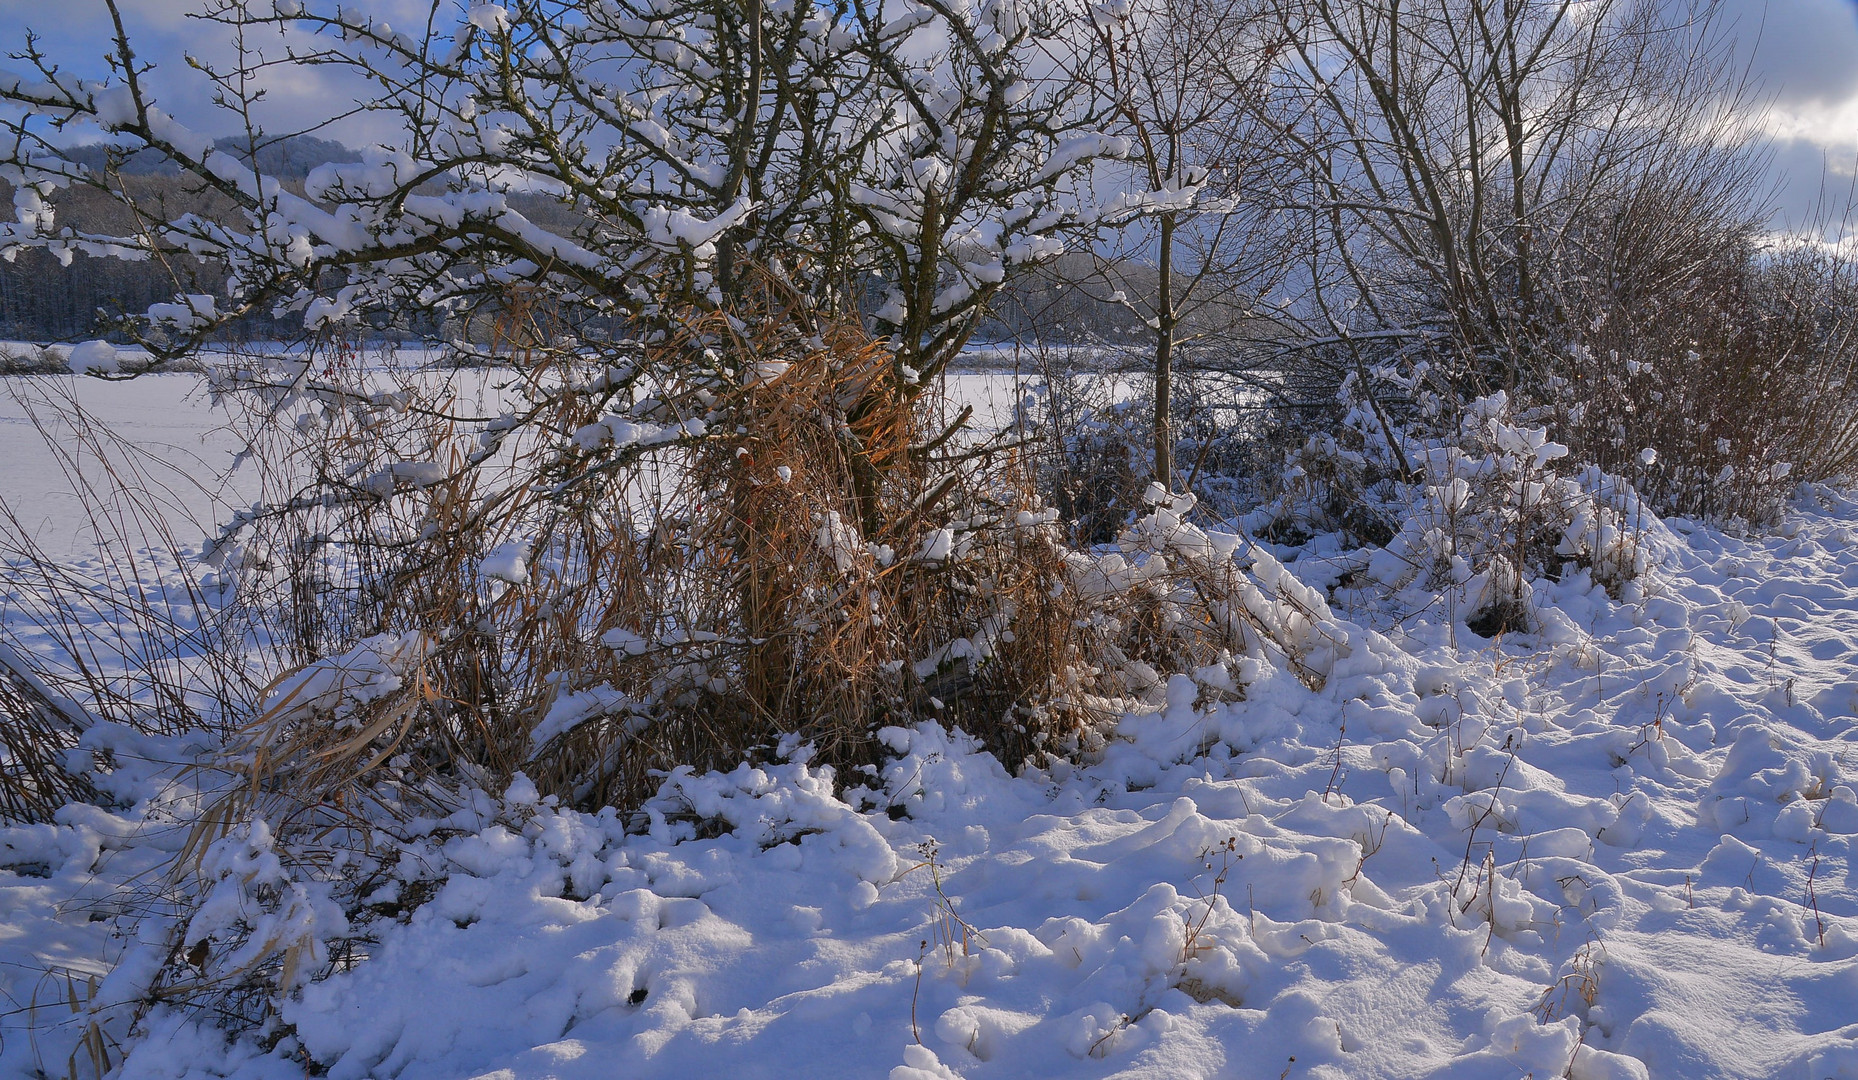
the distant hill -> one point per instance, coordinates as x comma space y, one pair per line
290, 158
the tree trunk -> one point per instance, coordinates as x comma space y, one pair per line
1164, 357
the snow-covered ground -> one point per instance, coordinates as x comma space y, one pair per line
1620, 850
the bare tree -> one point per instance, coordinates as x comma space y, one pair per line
1190, 259
830, 145
1456, 157
708, 233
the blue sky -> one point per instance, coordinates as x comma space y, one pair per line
1804, 53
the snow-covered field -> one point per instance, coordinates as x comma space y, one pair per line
1620, 850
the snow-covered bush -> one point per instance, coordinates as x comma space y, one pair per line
1490, 503
1091, 428
17, 360
1608, 268
709, 566
694, 291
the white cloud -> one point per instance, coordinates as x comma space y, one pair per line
1804, 55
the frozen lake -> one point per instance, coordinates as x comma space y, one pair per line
166, 427
163, 424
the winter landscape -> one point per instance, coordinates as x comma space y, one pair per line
922, 539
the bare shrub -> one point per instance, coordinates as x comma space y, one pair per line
1092, 447
30, 360
776, 544
1564, 204
777, 540
1720, 393
1089, 428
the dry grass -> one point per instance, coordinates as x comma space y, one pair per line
126, 637
760, 581
828, 558
134, 640
36, 726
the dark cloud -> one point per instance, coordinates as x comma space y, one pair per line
1803, 54
1812, 184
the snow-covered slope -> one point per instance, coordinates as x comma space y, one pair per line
1622, 853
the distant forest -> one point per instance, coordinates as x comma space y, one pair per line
44, 301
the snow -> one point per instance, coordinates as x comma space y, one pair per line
620, 433
838, 539
93, 356
508, 563
938, 546
490, 18
1620, 847
198, 311
375, 667
674, 227
571, 710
